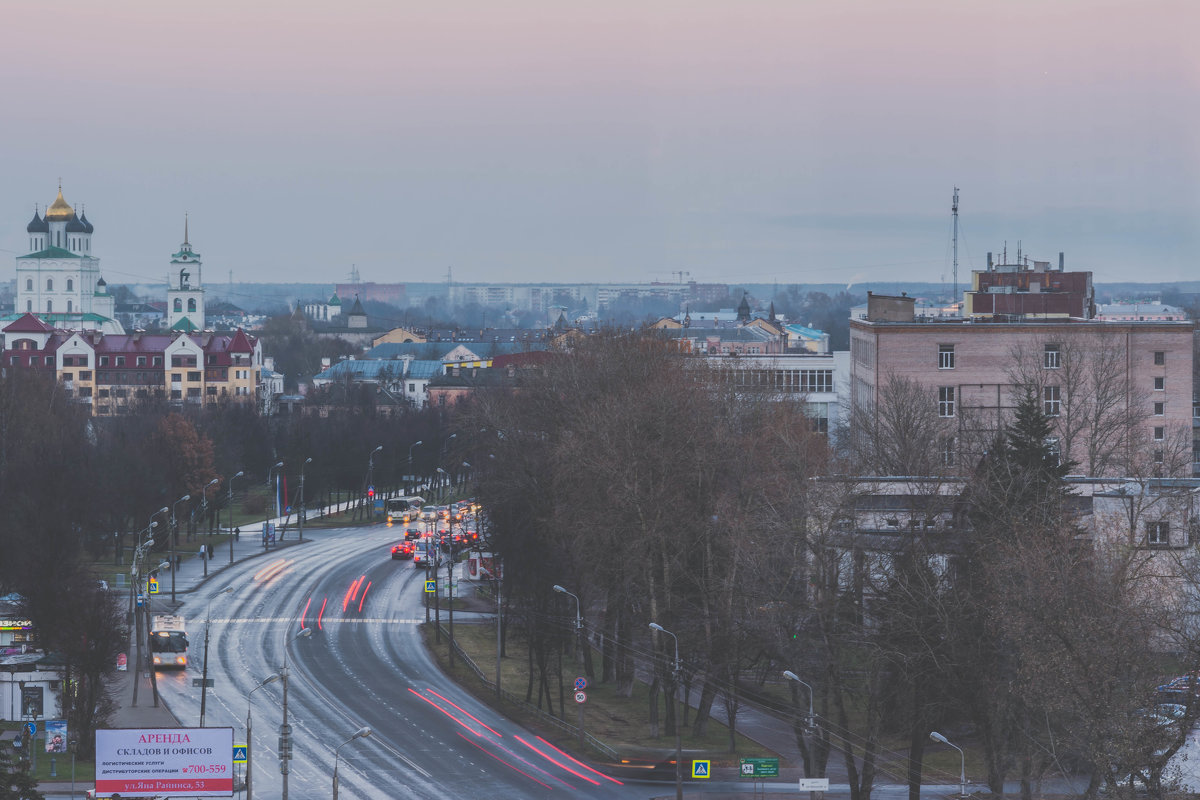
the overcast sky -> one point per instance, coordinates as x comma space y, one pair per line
796, 141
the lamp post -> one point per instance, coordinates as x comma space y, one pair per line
359, 734
249, 745
175, 540
307, 461
578, 649
285, 730
408, 469
440, 482
791, 676
204, 669
463, 478
675, 672
962, 774
135, 570
231, 535
271, 472
371, 477
204, 500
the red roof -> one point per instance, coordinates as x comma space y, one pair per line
28, 323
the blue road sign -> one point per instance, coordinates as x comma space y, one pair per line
239, 754
31, 728
430, 587
701, 768
154, 586
581, 683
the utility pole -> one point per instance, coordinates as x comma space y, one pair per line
954, 212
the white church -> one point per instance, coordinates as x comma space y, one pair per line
59, 279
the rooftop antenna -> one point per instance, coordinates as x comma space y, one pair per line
954, 211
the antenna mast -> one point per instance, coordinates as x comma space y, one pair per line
954, 211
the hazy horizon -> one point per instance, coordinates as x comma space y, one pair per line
553, 142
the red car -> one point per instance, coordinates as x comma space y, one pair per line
403, 550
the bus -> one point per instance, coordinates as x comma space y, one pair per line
403, 509
168, 641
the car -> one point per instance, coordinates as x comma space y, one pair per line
412, 533
403, 550
422, 555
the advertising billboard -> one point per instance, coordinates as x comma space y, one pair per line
164, 762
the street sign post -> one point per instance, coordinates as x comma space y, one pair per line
239, 753
154, 586
430, 587
207, 683
581, 697
580, 683
701, 769
758, 767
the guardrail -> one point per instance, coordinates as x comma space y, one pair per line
597, 745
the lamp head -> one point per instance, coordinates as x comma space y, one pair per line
308, 461
376, 450
465, 464
226, 590
270, 679
277, 466
213, 482
164, 565
559, 589
362, 733
791, 676
240, 474
414, 444
654, 626
304, 633
186, 497
937, 737
162, 510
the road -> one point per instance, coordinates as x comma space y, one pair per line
364, 665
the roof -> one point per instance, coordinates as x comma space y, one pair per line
357, 310
801, 330
51, 252
75, 226
87, 226
37, 225
185, 325
59, 209
360, 370
419, 369
28, 323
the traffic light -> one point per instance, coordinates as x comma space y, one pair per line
371, 492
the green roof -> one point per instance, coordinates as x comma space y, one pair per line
52, 252
185, 325
51, 317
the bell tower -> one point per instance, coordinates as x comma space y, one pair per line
185, 293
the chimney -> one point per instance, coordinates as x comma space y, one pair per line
1061, 260
989, 269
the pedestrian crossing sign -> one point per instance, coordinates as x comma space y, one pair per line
239, 754
154, 586
430, 587
701, 768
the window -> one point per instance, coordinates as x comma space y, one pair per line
1160, 409
946, 401
1052, 357
104, 361
1160, 433
191, 304
70, 307
1053, 400
70, 285
412, 388
948, 447
29, 284
141, 361
1159, 384
178, 306
120, 361
68, 377
85, 375
1054, 448
945, 356
1160, 357
49, 306
85, 391
29, 305
193, 377
1158, 534
49, 284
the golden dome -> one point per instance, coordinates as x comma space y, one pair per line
59, 210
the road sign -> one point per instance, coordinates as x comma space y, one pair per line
701, 768
31, 728
759, 767
581, 697
205, 682
581, 683
814, 784
239, 754
154, 586
430, 587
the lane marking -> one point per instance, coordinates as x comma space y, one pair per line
468, 713
558, 764
505, 763
580, 763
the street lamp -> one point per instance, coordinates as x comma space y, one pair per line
962, 774
175, 540
285, 730
791, 676
361, 733
409, 468
231, 534
204, 669
441, 484
578, 649
371, 476
307, 461
675, 673
250, 745
204, 500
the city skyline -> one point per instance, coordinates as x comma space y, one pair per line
779, 141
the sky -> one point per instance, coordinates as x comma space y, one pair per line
789, 141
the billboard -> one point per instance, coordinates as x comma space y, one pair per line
165, 762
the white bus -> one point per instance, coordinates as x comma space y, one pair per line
168, 641
403, 509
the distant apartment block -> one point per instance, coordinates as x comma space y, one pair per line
542, 297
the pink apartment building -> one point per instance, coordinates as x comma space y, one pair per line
969, 366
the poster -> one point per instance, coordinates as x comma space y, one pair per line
56, 736
165, 762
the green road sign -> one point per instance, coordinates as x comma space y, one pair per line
759, 767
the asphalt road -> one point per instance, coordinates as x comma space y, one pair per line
364, 665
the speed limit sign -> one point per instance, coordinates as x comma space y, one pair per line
581, 697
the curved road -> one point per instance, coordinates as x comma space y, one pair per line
364, 664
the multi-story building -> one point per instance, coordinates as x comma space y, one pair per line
1123, 385
111, 373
